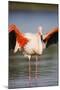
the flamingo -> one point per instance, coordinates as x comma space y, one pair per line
31, 44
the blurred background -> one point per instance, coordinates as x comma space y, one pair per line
28, 17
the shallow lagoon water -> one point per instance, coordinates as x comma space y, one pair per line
47, 69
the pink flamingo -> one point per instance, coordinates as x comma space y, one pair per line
31, 44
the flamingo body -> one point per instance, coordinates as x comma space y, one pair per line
32, 44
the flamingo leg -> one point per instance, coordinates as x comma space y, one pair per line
36, 67
29, 69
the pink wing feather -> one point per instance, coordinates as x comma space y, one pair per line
22, 40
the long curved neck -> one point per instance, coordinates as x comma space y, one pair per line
43, 43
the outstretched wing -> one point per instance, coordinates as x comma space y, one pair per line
51, 37
16, 35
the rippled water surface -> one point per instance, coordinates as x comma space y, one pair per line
44, 73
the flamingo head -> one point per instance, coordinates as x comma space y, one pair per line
40, 30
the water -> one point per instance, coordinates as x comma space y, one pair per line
44, 74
